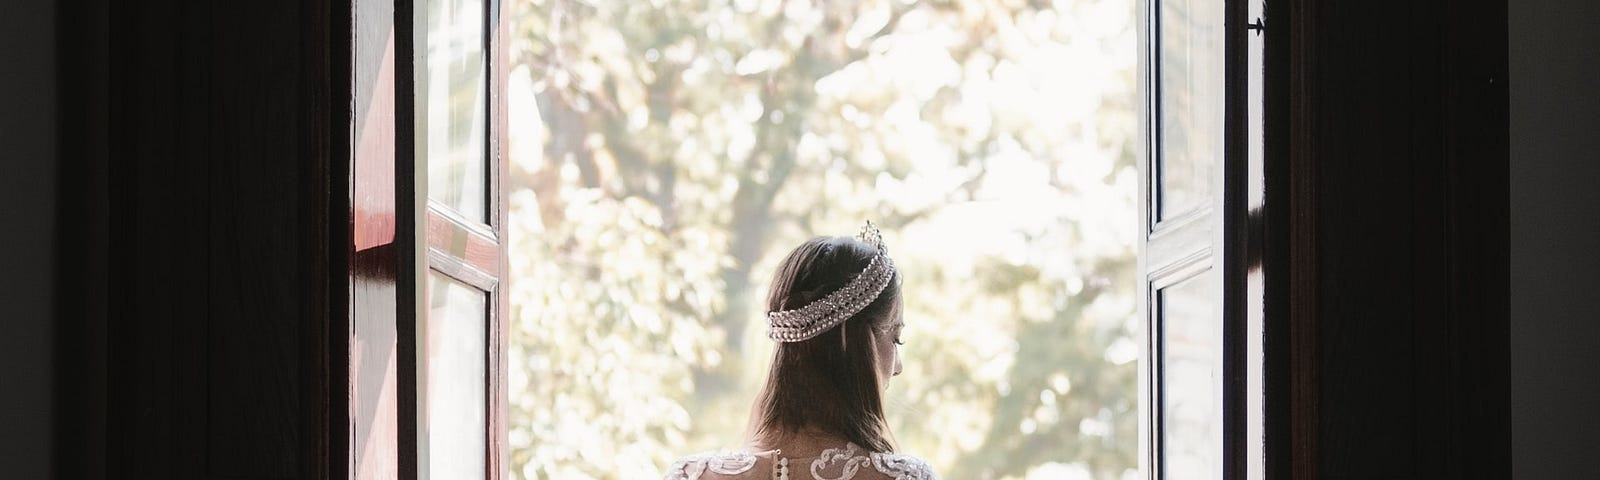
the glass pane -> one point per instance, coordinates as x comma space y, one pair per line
451, 103
455, 367
1191, 97
1191, 412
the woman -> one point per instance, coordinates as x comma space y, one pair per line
834, 310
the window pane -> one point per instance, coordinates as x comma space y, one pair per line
451, 105
455, 400
1191, 102
1190, 376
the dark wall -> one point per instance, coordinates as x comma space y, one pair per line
27, 226
1555, 237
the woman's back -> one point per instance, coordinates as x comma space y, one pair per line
834, 310
845, 463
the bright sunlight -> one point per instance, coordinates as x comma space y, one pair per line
666, 154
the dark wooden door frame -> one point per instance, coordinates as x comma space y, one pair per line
1288, 252
326, 203
1415, 93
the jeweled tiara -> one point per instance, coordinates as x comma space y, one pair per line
824, 313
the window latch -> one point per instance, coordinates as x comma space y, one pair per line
1257, 26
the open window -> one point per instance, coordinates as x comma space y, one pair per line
1200, 371
429, 269
458, 153
428, 296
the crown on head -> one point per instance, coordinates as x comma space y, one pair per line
824, 313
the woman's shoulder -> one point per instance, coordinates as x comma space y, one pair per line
691, 467
901, 466
858, 463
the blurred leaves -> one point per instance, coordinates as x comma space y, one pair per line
666, 154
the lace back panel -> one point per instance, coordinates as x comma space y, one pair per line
832, 464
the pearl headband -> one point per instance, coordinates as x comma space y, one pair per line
824, 313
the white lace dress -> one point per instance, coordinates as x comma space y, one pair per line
833, 464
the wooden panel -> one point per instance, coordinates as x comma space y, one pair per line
1364, 178
1291, 250
1174, 241
1288, 266
376, 344
1230, 238
1472, 84
1192, 71
152, 371
253, 381
468, 245
1402, 218
82, 252
217, 294
324, 353
500, 34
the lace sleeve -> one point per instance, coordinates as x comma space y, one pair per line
692, 466
902, 467
682, 468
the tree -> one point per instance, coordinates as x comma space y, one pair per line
666, 154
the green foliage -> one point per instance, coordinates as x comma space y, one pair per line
667, 154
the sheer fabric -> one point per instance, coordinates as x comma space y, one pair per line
848, 463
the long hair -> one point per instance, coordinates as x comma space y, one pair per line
828, 383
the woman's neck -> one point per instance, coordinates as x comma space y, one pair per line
803, 443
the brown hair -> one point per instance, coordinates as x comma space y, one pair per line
828, 383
